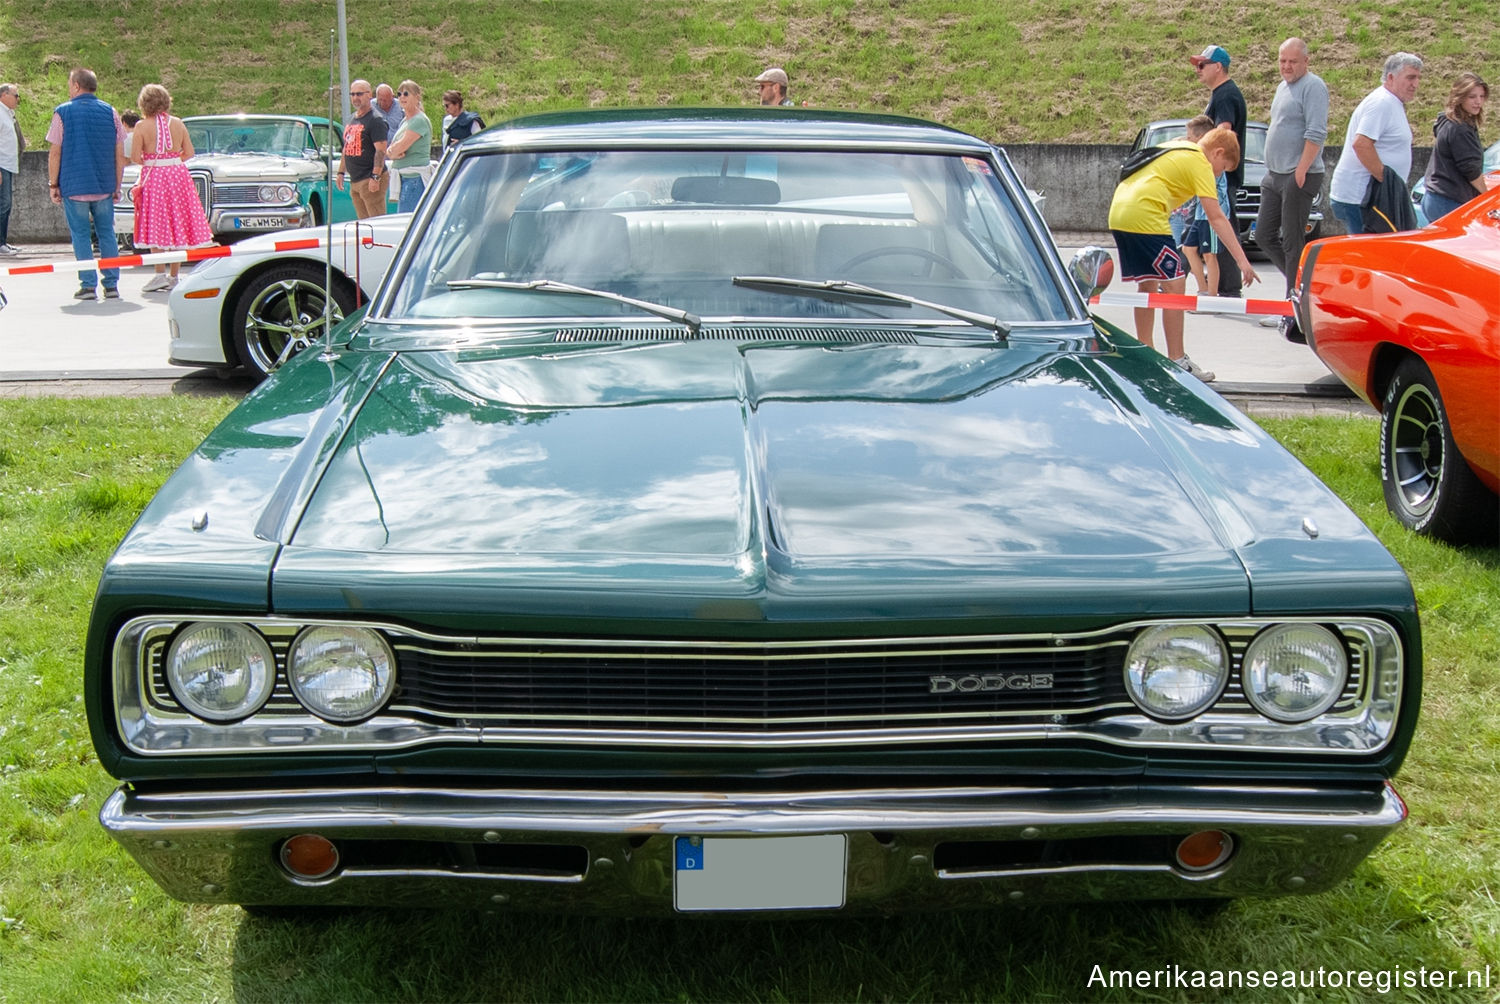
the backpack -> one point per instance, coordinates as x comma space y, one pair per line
1138, 159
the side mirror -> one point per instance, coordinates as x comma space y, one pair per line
1092, 270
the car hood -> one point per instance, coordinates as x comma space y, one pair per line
232, 167
675, 479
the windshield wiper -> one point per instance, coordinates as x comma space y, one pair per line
844, 289
693, 321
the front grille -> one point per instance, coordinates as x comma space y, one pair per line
238, 195
1247, 203
771, 687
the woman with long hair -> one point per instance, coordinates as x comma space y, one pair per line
1455, 173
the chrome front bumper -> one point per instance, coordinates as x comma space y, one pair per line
609, 852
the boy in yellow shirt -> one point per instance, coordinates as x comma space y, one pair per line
1138, 219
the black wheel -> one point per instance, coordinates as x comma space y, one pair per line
280, 313
1428, 484
912, 252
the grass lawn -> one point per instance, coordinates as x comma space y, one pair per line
79, 920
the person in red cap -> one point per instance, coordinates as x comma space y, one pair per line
772, 83
1226, 106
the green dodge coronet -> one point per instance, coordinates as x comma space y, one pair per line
740, 510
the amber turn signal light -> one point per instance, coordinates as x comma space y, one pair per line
309, 856
1204, 850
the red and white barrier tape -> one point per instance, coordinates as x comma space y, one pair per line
1202, 304
1164, 301
169, 257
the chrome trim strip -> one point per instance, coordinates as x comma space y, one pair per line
1364, 726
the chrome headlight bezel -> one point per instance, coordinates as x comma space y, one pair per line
1195, 650
352, 651
259, 664
1256, 670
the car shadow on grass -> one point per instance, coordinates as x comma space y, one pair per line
1054, 953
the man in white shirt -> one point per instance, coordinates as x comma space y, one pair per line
1379, 136
11, 145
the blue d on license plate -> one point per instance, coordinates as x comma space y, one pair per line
759, 873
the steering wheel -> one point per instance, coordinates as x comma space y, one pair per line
932, 257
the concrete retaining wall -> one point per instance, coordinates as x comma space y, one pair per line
1078, 181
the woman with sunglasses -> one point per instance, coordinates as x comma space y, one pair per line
410, 151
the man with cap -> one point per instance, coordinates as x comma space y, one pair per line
1226, 106
772, 84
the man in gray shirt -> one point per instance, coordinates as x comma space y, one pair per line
1294, 160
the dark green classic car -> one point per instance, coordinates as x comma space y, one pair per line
742, 511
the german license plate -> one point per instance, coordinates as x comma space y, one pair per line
257, 222
760, 873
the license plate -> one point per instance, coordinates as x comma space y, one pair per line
760, 873
257, 222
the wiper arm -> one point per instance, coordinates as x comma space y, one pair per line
844, 289
693, 321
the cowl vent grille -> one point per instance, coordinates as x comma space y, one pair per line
798, 335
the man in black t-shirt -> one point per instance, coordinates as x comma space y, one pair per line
1226, 106
364, 154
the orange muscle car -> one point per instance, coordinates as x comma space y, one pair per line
1411, 322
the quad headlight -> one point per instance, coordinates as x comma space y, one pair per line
221, 672
341, 674
1294, 672
276, 193
1175, 671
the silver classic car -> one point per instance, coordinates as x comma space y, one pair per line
741, 511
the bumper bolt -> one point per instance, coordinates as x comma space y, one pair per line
1296, 882
1030, 833
491, 837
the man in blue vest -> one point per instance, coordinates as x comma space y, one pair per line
84, 167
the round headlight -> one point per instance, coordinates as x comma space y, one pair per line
342, 674
221, 672
284, 193
266, 193
1294, 672
1175, 671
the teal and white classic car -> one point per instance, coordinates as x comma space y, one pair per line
256, 173
741, 511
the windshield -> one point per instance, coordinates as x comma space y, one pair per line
676, 228
285, 138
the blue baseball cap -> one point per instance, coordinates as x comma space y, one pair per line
1212, 54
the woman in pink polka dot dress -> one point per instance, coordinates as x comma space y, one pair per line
168, 215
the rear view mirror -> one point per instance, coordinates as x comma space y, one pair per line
1092, 270
725, 190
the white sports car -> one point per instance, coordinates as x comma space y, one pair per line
259, 306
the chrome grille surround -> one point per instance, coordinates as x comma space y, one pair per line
1086, 701
249, 195
203, 185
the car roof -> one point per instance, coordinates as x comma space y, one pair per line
1182, 124
741, 127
